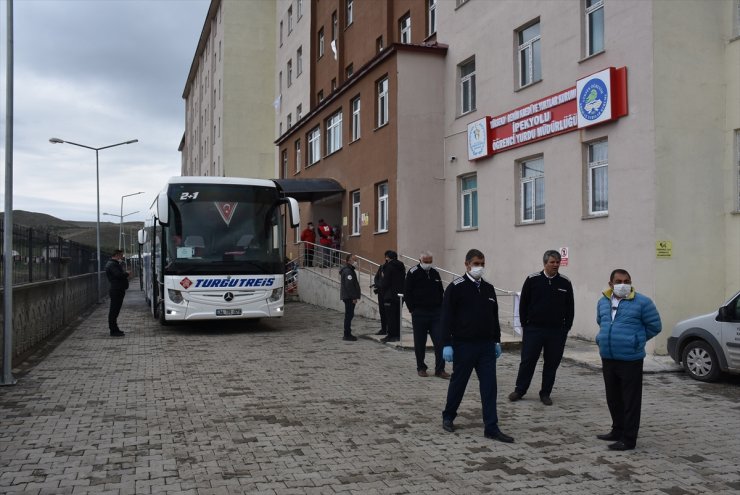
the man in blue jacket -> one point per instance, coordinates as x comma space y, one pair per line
627, 320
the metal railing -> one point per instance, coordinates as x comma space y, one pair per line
40, 256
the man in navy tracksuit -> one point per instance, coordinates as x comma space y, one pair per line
423, 296
546, 311
470, 329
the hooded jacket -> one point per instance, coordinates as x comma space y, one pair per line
635, 322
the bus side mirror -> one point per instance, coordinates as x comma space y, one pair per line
142, 236
295, 213
163, 209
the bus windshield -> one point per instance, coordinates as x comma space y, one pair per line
223, 229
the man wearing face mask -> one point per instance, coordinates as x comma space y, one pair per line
546, 311
349, 293
423, 296
627, 320
471, 335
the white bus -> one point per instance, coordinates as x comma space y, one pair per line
213, 248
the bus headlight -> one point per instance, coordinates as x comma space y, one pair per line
276, 294
175, 296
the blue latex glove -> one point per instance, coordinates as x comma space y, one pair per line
447, 353
498, 350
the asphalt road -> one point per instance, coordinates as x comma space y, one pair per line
285, 406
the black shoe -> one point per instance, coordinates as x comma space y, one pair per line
350, 338
117, 333
621, 446
382, 332
500, 436
515, 396
546, 400
389, 339
609, 437
443, 374
448, 426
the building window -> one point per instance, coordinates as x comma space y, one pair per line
297, 155
383, 102
334, 133
284, 168
280, 81
334, 26
383, 207
289, 72
594, 26
298, 112
379, 44
355, 118
314, 145
290, 121
467, 86
333, 84
404, 26
532, 191
349, 71
321, 42
290, 20
281, 33
320, 96
431, 17
469, 202
280, 130
299, 8
530, 70
355, 212
349, 11
299, 61
598, 178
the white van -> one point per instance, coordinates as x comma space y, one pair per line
709, 344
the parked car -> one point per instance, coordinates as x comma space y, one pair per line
708, 345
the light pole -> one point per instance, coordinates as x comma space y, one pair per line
97, 187
120, 228
121, 217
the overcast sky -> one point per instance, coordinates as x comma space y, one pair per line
97, 72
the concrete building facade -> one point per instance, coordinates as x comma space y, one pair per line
655, 191
229, 93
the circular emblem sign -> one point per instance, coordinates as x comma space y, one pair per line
593, 99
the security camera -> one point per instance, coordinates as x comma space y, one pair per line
453, 158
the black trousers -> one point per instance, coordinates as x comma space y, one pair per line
349, 313
116, 301
383, 318
392, 318
623, 383
551, 343
426, 322
308, 258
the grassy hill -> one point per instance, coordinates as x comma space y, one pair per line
79, 232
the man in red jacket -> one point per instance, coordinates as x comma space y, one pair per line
308, 237
325, 238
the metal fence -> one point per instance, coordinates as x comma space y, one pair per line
39, 256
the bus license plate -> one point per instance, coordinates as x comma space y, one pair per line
228, 312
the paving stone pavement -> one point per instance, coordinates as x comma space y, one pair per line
287, 407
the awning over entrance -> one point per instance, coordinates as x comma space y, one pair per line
309, 189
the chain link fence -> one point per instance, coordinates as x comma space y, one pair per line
39, 256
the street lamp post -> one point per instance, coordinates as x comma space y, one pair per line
97, 187
121, 217
120, 228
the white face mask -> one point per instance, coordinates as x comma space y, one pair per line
426, 266
477, 272
622, 290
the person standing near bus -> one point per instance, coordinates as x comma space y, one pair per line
118, 279
308, 237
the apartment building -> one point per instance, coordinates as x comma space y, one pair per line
229, 93
454, 124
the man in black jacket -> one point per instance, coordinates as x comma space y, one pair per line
118, 279
394, 275
349, 293
423, 296
546, 312
471, 329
